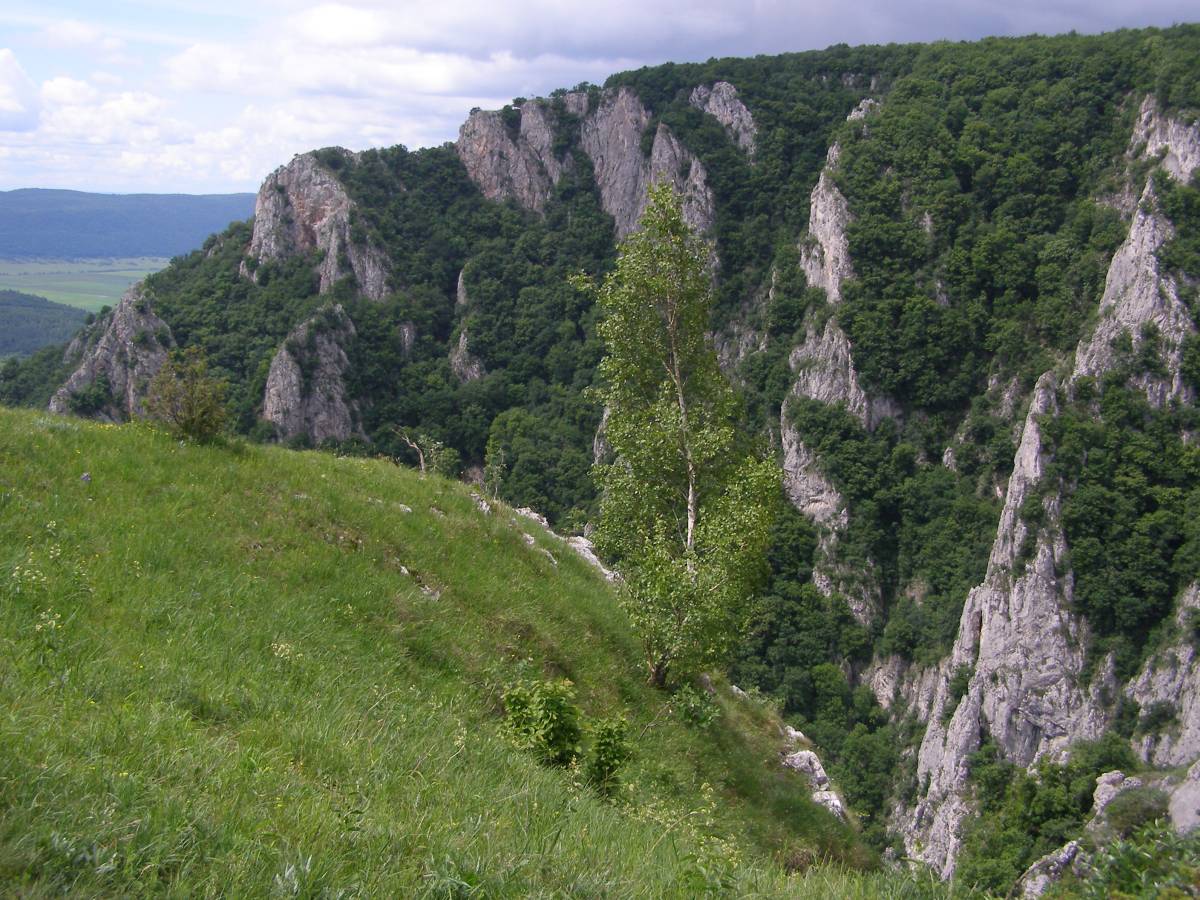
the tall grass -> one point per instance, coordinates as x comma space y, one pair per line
243, 671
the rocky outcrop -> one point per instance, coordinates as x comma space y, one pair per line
125, 349
1017, 634
306, 386
1172, 677
1184, 805
522, 166
463, 364
302, 208
825, 255
1140, 299
1025, 650
518, 166
612, 138
1049, 870
823, 366
721, 101
808, 764
824, 370
1175, 144
1139, 296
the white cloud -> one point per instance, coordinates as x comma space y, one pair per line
65, 91
18, 95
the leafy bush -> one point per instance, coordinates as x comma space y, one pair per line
1135, 807
695, 707
610, 751
541, 717
1153, 862
186, 398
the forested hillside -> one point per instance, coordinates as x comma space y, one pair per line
957, 294
28, 323
37, 223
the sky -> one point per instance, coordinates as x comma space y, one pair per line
209, 96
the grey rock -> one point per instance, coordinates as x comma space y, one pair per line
464, 365
825, 255
1137, 294
303, 208
808, 764
127, 347
612, 139
587, 551
1172, 676
1108, 786
1026, 649
317, 406
1176, 142
1184, 804
1048, 871
521, 167
721, 101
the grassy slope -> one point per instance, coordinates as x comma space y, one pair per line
215, 678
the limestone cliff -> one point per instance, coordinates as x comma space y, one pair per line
721, 101
520, 166
303, 208
1138, 295
612, 138
823, 366
306, 387
1018, 637
523, 166
124, 348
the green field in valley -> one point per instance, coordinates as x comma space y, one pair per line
86, 283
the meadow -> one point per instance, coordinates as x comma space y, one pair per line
242, 670
86, 283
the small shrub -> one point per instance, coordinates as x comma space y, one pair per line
541, 717
695, 707
610, 751
1135, 807
1156, 718
186, 398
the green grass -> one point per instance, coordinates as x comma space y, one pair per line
86, 283
217, 679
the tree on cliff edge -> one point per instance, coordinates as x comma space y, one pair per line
684, 514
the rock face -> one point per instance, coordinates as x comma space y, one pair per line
306, 388
1048, 870
612, 139
1025, 650
520, 166
126, 347
524, 168
1017, 634
1138, 295
1172, 677
825, 256
721, 101
463, 364
303, 208
824, 370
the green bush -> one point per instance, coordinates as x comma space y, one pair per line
1153, 862
1135, 807
610, 751
541, 717
695, 707
186, 398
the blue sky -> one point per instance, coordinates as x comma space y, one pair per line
210, 96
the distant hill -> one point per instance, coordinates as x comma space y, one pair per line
52, 224
28, 323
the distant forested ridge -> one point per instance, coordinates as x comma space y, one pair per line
28, 323
36, 223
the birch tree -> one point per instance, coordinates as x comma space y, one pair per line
684, 515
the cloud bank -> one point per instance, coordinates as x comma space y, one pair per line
211, 98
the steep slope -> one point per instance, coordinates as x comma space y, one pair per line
244, 666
